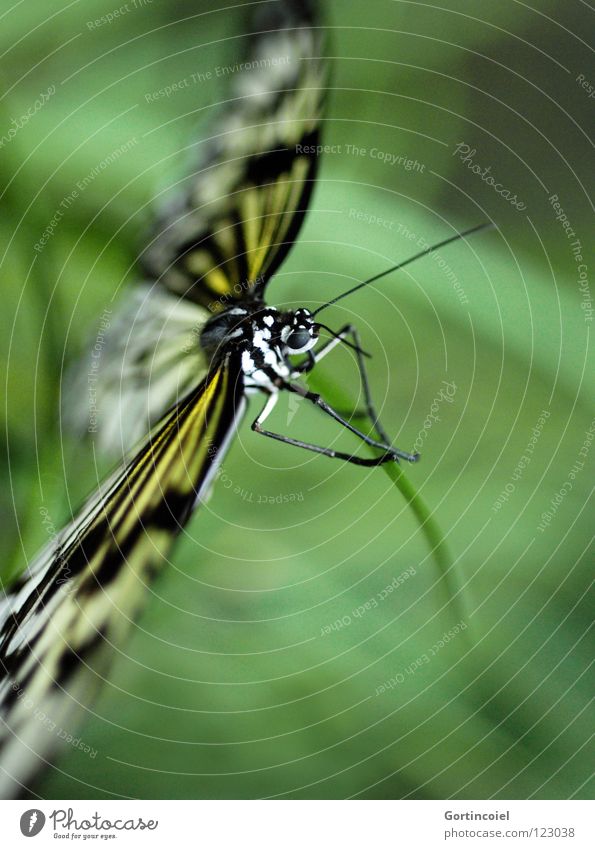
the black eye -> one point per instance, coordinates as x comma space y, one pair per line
298, 339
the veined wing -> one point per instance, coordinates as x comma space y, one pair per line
234, 218
143, 358
226, 231
77, 600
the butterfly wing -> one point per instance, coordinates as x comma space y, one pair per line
224, 235
232, 221
145, 356
229, 225
63, 617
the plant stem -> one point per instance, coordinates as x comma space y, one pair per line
428, 525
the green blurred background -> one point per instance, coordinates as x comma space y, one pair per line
230, 685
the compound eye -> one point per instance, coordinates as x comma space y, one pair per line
298, 339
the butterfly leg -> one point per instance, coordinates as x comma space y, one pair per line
318, 449
351, 330
316, 399
370, 408
308, 365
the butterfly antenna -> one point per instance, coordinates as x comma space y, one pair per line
430, 249
346, 342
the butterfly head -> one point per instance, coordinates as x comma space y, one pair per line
299, 333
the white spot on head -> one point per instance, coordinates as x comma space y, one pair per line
259, 339
271, 358
247, 362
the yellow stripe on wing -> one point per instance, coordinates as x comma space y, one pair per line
75, 604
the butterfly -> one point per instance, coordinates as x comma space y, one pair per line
187, 349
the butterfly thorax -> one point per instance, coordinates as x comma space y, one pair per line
264, 337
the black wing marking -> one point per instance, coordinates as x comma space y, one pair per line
62, 618
238, 213
143, 358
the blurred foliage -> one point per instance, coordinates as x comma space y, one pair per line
229, 686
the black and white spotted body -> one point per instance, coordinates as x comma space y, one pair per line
265, 337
